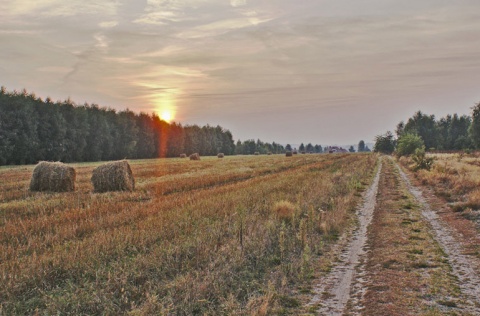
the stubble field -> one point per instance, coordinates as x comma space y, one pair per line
195, 237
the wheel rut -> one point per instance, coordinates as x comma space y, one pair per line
400, 259
335, 291
462, 266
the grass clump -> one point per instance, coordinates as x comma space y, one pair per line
283, 210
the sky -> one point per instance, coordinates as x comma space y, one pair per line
321, 71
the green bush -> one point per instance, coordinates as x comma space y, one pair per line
421, 160
408, 144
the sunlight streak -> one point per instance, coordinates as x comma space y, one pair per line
165, 108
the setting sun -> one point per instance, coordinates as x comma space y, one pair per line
165, 108
167, 116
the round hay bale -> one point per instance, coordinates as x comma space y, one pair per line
113, 176
220, 155
288, 154
195, 156
256, 153
269, 153
183, 155
53, 177
295, 152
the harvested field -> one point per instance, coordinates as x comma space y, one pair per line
191, 239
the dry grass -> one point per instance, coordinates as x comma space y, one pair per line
455, 182
284, 210
191, 239
453, 176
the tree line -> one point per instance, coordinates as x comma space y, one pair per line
449, 133
32, 129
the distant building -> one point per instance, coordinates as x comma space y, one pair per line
336, 149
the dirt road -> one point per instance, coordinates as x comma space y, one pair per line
333, 293
401, 259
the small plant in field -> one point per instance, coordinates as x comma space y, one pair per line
421, 160
284, 210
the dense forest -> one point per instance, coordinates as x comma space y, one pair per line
450, 133
32, 129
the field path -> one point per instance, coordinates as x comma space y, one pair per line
346, 278
462, 266
400, 259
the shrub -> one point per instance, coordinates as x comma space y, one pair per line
421, 160
384, 144
408, 143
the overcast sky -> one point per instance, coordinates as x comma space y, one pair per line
320, 71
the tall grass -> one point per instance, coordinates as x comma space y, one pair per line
194, 238
456, 179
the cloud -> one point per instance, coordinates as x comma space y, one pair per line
238, 3
49, 8
302, 59
55, 69
101, 41
220, 27
159, 18
108, 24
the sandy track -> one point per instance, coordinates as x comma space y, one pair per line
463, 268
345, 281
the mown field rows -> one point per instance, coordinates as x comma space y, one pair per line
195, 237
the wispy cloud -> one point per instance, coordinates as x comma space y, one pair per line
108, 24
314, 62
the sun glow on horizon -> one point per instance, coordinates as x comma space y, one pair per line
166, 115
165, 108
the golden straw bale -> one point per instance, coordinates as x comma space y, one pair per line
53, 176
113, 176
195, 156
